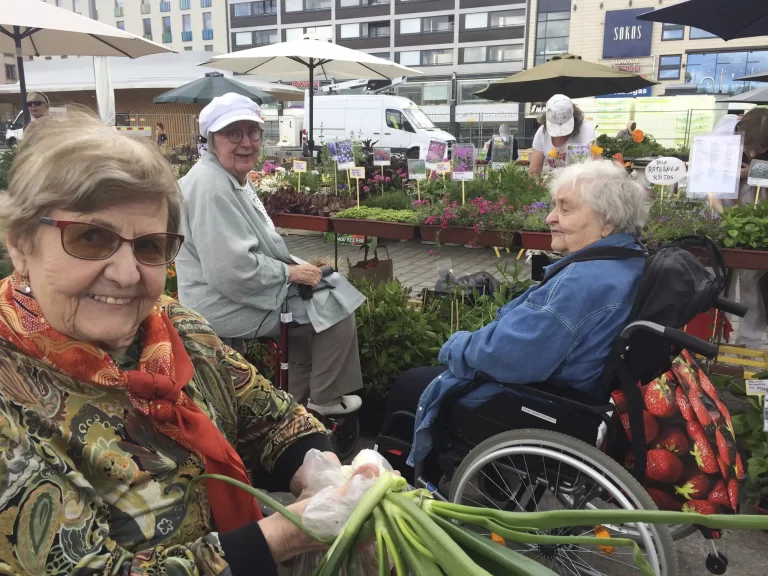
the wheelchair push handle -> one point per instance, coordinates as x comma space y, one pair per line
306, 291
326, 271
673, 335
731, 307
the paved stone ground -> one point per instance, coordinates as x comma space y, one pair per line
747, 551
413, 264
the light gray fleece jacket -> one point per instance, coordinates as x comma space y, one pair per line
233, 268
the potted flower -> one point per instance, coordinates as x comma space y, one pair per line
536, 234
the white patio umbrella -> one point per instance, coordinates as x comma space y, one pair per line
294, 58
34, 28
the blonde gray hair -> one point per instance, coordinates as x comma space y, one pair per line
608, 190
79, 164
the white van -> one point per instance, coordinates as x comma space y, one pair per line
14, 131
391, 121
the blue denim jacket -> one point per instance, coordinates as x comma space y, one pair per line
560, 331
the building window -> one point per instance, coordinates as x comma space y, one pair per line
440, 57
147, 23
187, 48
186, 26
209, 47
476, 20
165, 6
697, 33
10, 71
264, 8
207, 21
468, 90
206, 3
716, 73
350, 30
119, 12
244, 39
185, 4
552, 35
356, 3
120, 25
437, 24
365, 30
306, 5
669, 67
383, 55
480, 54
265, 37
322, 32
410, 26
167, 36
146, 7
506, 18
672, 32
76, 7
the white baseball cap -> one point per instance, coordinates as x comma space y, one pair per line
226, 110
559, 116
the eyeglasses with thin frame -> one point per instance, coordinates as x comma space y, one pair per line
95, 242
35, 103
235, 135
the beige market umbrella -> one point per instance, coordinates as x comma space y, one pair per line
313, 55
564, 74
33, 28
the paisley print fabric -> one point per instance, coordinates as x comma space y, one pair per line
88, 485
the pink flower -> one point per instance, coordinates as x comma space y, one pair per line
387, 179
366, 189
432, 253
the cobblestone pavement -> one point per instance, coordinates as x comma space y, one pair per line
747, 551
413, 264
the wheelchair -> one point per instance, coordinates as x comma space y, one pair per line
540, 448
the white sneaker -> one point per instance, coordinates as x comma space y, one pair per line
338, 407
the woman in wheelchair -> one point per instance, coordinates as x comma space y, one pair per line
559, 331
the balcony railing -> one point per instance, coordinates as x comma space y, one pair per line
205, 3
186, 36
119, 12
167, 37
148, 36
146, 8
207, 34
185, 4
165, 6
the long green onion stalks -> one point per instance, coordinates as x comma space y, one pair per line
419, 535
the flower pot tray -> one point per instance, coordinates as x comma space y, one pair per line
303, 222
374, 228
537, 240
741, 259
462, 236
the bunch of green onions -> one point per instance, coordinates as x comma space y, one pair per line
423, 536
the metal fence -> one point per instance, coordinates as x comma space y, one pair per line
670, 128
182, 129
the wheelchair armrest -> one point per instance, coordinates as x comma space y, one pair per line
567, 396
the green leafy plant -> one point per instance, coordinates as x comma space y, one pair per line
630, 149
746, 226
379, 214
6, 159
671, 219
396, 200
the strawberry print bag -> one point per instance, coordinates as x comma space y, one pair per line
692, 461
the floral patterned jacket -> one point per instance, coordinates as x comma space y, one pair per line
88, 487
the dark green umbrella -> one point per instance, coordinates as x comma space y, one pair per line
206, 89
727, 19
564, 74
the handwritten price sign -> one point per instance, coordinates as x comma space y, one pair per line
357, 173
443, 167
299, 166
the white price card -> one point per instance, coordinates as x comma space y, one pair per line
756, 387
715, 166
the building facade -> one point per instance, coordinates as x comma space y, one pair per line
480, 41
684, 60
183, 25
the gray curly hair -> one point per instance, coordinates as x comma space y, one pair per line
606, 187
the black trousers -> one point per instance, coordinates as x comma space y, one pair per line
405, 392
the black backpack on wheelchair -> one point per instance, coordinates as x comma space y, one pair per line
680, 280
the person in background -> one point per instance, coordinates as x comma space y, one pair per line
562, 124
505, 133
236, 270
113, 397
727, 124
754, 126
162, 138
626, 134
39, 105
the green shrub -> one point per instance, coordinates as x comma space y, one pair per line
6, 159
389, 201
379, 214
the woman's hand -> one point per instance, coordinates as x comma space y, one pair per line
285, 540
537, 163
304, 274
297, 486
744, 170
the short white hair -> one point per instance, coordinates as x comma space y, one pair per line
605, 186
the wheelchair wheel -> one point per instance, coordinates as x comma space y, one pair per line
539, 470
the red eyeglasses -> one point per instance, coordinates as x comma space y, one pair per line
95, 242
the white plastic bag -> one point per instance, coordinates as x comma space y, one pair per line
329, 508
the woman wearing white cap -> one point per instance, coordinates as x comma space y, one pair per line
562, 126
236, 270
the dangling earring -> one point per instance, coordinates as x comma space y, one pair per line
25, 287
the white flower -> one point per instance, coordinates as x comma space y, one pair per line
306, 188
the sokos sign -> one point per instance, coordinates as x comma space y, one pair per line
625, 36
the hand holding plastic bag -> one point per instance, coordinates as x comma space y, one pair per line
334, 492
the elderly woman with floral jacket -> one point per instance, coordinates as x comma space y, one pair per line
112, 398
